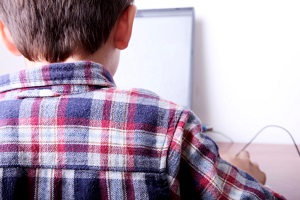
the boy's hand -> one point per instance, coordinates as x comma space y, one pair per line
243, 162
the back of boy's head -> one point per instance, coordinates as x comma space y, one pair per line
53, 30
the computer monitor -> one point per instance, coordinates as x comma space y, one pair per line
160, 54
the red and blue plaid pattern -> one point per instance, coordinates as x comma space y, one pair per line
66, 132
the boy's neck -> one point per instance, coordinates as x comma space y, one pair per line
108, 60
31, 64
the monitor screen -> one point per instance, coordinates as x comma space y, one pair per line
159, 56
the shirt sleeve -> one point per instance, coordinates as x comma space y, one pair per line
202, 174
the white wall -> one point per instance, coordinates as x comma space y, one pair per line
247, 61
247, 66
8, 62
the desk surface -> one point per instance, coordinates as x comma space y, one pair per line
281, 163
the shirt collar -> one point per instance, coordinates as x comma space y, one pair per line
77, 73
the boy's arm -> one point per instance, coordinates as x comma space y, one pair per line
243, 162
204, 174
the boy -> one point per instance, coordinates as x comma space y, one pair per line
67, 132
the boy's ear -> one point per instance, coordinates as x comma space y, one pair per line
123, 27
7, 40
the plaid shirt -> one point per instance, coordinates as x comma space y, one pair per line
68, 133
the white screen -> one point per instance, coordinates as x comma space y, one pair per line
159, 57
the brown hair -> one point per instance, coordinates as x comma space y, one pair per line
54, 30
